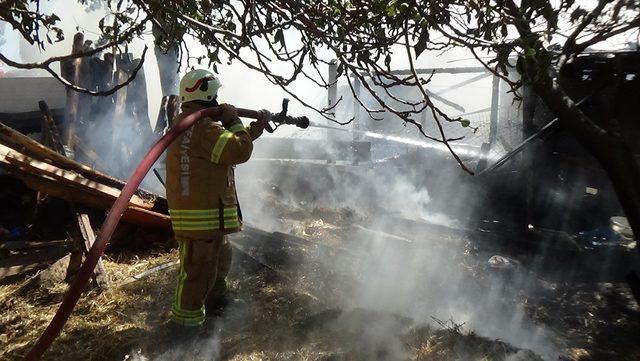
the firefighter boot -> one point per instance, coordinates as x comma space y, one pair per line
218, 298
177, 335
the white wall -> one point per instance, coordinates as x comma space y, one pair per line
23, 94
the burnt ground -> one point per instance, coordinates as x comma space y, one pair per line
306, 305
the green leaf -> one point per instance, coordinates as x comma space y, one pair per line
279, 37
421, 45
391, 8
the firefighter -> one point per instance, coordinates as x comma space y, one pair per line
201, 192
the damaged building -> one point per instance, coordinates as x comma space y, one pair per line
364, 243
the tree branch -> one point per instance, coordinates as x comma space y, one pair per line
75, 87
428, 101
604, 36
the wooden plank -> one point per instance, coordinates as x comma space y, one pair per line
123, 65
137, 100
16, 270
49, 128
84, 224
89, 238
73, 187
134, 215
173, 108
12, 266
161, 120
72, 72
13, 139
13, 159
445, 101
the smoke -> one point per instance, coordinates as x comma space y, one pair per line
202, 348
428, 278
434, 276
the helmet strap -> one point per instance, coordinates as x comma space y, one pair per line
209, 103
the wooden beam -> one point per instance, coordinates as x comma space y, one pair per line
173, 108
49, 129
89, 238
169, 109
161, 120
25, 145
73, 187
445, 101
134, 215
82, 219
137, 100
71, 70
13, 159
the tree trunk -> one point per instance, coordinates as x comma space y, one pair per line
612, 152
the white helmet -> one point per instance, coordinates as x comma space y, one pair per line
199, 84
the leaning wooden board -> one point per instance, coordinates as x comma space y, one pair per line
71, 186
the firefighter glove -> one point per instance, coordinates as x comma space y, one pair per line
229, 115
264, 118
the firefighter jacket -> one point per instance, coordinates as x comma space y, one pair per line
200, 182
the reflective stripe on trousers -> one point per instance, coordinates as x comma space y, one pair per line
178, 313
202, 265
204, 219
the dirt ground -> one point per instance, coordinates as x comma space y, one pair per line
285, 311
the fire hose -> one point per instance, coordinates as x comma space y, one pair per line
122, 202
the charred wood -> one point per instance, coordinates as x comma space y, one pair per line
71, 186
13, 139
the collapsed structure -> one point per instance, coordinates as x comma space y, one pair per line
87, 192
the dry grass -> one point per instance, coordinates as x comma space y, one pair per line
104, 324
278, 319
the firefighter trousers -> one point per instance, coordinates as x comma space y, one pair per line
203, 266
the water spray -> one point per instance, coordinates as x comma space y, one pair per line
463, 150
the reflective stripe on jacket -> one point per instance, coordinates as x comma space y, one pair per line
200, 181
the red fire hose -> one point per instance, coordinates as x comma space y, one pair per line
110, 223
